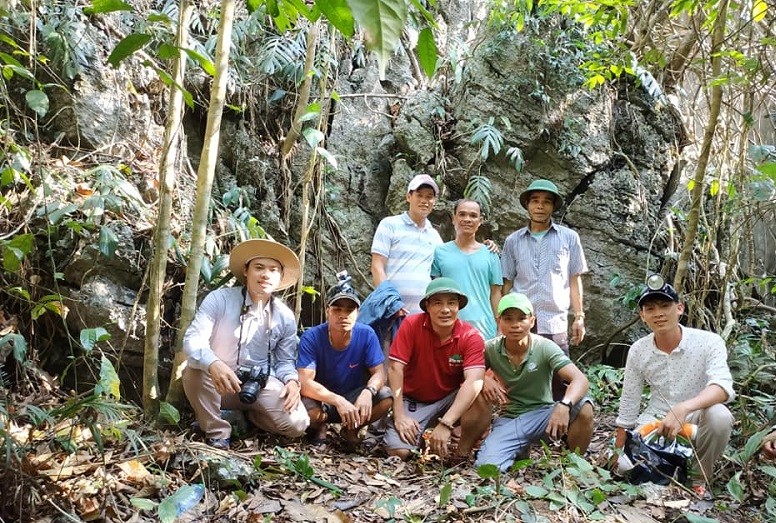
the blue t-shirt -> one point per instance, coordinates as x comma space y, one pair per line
340, 371
475, 273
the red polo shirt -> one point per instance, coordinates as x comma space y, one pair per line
433, 369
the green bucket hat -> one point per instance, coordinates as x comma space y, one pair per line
542, 185
444, 285
515, 300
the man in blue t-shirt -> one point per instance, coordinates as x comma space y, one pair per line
340, 366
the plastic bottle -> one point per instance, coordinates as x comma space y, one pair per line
186, 497
689, 430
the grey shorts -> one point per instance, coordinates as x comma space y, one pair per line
426, 414
332, 415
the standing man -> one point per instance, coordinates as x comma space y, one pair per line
688, 377
403, 245
476, 269
241, 347
435, 372
523, 364
341, 368
545, 261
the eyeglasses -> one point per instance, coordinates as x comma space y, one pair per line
655, 282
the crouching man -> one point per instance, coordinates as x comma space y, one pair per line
341, 368
435, 372
241, 347
523, 365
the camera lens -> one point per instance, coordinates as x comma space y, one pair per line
249, 392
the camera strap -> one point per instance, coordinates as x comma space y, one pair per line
244, 308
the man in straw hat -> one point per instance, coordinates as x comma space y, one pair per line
435, 372
242, 347
545, 261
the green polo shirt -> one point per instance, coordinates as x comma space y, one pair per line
529, 385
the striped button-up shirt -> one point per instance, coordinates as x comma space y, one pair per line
540, 266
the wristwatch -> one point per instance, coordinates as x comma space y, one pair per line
566, 403
372, 390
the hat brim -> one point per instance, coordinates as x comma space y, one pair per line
657, 295
557, 200
250, 249
343, 296
463, 300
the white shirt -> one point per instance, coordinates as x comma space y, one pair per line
700, 360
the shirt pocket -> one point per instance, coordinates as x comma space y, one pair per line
560, 261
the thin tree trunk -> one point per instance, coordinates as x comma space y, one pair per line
205, 174
708, 137
158, 269
304, 92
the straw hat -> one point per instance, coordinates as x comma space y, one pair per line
248, 250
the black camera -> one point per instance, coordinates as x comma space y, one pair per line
253, 378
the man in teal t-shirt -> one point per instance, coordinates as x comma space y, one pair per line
476, 270
523, 365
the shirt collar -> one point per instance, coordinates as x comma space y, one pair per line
526, 231
408, 221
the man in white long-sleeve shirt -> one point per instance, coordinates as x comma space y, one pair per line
688, 377
242, 347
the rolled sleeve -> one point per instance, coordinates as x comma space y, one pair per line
632, 387
718, 372
196, 341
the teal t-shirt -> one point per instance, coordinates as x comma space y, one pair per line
529, 385
475, 273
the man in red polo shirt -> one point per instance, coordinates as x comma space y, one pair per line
436, 370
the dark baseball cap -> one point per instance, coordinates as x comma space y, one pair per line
666, 292
339, 292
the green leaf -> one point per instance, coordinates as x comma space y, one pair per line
18, 343
313, 136
168, 413
536, 491
488, 471
204, 62
109, 381
38, 101
106, 6
695, 518
90, 337
142, 503
168, 51
445, 493
735, 487
167, 511
759, 10
383, 23
427, 52
205, 270
327, 156
128, 46
768, 169
109, 242
339, 14
253, 5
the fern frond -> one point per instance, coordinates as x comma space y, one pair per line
479, 189
490, 138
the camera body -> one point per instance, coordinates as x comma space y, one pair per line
253, 378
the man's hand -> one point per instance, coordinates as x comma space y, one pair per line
578, 330
291, 393
364, 406
493, 391
769, 445
672, 423
224, 379
407, 428
492, 246
438, 440
558, 425
348, 413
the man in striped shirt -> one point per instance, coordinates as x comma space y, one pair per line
545, 261
403, 245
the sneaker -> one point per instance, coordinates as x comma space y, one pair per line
219, 443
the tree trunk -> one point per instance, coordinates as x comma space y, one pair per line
167, 171
205, 174
717, 40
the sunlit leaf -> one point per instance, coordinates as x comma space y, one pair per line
383, 23
204, 62
106, 6
328, 156
109, 381
142, 503
759, 10
313, 136
427, 52
90, 337
339, 15
488, 471
129, 45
